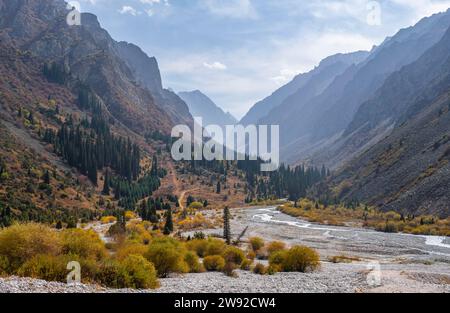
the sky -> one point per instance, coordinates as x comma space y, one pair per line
240, 51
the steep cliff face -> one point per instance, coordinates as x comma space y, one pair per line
147, 73
313, 119
408, 170
89, 54
312, 83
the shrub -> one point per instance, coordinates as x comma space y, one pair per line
21, 242
342, 259
300, 259
129, 215
199, 246
111, 274
214, 263
84, 243
128, 248
206, 247
138, 233
272, 270
167, 254
196, 206
193, 262
275, 246
260, 269
108, 219
4, 265
246, 265
390, 227
229, 268
251, 255
256, 243
141, 273
215, 247
233, 255
46, 267
277, 259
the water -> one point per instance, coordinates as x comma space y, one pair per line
424, 244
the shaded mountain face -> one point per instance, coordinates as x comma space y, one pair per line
408, 170
91, 57
147, 73
266, 107
295, 113
342, 145
314, 118
201, 106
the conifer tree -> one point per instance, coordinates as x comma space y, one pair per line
46, 177
168, 227
226, 225
218, 188
106, 183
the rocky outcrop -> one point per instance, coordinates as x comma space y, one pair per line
91, 57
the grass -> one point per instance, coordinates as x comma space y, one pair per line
343, 259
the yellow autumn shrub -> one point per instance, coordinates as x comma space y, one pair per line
21, 242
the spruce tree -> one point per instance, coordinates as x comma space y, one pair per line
154, 170
46, 178
218, 188
168, 227
226, 225
106, 183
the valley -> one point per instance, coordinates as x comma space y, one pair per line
406, 263
359, 204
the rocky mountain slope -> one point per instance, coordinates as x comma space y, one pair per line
331, 66
146, 70
89, 56
408, 170
313, 126
202, 106
296, 112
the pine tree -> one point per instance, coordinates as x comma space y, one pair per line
154, 170
46, 178
168, 227
218, 188
226, 225
106, 183
58, 225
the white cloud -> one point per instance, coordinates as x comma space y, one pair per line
232, 8
215, 66
126, 9
253, 74
423, 8
152, 2
285, 76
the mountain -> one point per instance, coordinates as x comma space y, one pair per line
409, 169
201, 105
91, 57
297, 108
146, 70
312, 127
264, 107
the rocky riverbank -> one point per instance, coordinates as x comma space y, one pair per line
331, 278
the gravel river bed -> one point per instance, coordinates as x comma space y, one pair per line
390, 263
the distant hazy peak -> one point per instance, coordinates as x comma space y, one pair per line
201, 105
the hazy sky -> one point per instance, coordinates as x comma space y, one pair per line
240, 51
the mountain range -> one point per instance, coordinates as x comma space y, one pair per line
202, 106
125, 78
377, 118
